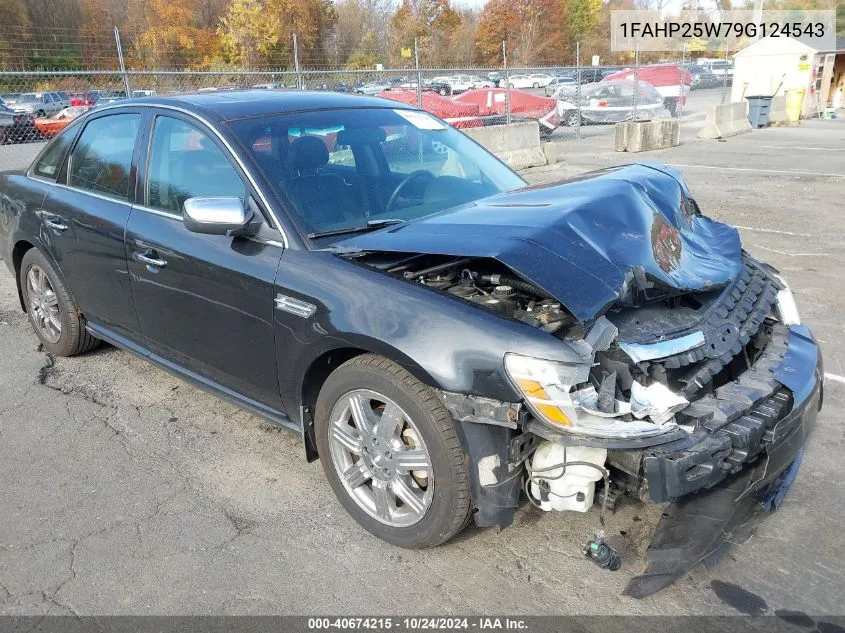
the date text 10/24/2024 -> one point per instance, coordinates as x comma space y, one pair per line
418, 624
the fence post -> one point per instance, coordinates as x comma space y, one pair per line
507, 85
578, 87
419, 74
122, 63
299, 83
683, 79
636, 80
725, 76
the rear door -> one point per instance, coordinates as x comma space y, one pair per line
85, 214
206, 302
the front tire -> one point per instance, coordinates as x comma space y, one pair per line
391, 454
572, 119
52, 313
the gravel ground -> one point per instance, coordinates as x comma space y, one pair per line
127, 491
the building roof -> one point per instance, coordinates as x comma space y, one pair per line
238, 104
767, 46
838, 47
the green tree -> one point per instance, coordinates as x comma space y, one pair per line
581, 18
249, 32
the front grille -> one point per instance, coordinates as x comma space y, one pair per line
730, 327
731, 427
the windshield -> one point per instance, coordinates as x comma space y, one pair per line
351, 169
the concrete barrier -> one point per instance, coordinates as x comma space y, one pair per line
642, 136
777, 113
728, 119
517, 144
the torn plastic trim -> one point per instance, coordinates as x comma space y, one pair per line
662, 349
479, 410
699, 528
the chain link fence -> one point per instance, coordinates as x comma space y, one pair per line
569, 101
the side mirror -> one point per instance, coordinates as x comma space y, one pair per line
216, 216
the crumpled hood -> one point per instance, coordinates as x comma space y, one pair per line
586, 240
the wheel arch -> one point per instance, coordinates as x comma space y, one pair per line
18, 251
326, 362
22, 246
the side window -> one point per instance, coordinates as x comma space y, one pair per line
51, 160
102, 157
185, 163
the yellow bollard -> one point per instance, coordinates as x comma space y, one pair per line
794, 104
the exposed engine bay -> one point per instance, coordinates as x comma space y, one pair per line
651, 357
684, 389
484, 282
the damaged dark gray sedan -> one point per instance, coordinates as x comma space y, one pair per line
449, 342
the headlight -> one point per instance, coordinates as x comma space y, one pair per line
786, 306
547, 388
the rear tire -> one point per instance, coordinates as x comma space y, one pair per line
350, 431
52, 313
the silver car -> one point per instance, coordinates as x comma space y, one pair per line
38, 104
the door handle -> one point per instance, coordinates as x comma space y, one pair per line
150, 259
56, 225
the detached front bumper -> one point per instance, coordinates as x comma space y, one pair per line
766, 415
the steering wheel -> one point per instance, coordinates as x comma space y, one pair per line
414, 175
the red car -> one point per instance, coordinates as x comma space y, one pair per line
457, 114
671, 81
492, 104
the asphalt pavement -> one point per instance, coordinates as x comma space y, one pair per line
125, 490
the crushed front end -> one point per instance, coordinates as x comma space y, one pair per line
692, 381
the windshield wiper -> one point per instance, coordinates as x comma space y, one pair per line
370, 225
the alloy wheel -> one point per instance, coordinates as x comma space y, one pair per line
380, 457
43, 305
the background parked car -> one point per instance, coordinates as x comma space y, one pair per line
534, 80
16, 127
48, 127
558, 82
719, 68
702, 78
593, 74
491, 104
609, 101
670, 80
520, 81
373, 87
440, 85
111, 96
64, 98
143, 93
37, 103
86, 98
462, 83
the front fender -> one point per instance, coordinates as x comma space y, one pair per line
443, 340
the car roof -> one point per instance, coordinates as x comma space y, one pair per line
240, 104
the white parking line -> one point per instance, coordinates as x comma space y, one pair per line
815, 149
762, 171
834, 378
754, 228
774, 250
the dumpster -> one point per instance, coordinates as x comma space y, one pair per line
758, 110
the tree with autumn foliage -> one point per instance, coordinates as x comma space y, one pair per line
433, 23
249, 33
533, 30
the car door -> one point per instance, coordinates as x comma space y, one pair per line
84, 217
205, 302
